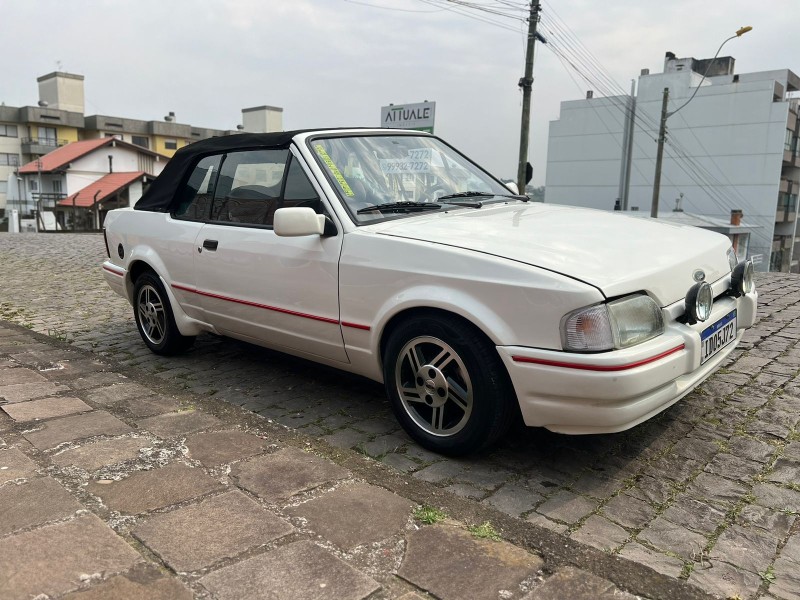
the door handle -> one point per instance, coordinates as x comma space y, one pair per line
210, 244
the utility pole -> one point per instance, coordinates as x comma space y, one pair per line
526, 83
662, 135
627, 145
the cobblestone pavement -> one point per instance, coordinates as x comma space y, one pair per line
709, 491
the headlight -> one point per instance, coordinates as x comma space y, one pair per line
699, 301
618, 324
742, 278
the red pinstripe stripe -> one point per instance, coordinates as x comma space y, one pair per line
584, 367
114, 271
286, 311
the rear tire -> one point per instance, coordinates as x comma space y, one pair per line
154, 318
447, 385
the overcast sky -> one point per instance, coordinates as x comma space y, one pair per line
336, 62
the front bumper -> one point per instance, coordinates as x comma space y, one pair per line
613, 391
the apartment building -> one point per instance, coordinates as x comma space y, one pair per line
733, 147
28, 133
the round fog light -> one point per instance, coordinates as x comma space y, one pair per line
699, 301
742, 278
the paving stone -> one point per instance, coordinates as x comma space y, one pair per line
734, 467
696, 449
785, 471
36, 502
399, 462
673, 467
69, 429
222, 447
15, 465
668, 536
695, 515
19, 375
792, 450
94, 380
103, 453
178, 424
725, 580
628, 511
354, 515
286, 472
752, 549
569, 582
773, 496
568, 507
51, 560
384, 444
138, 584
21, 392
460, 573
465, 490
149, 406
668, 565
111, 394
787, 579
200, 535
346, 438
716, 490
601, 533
653, 490
773, 521
513, 499
157, 488
47, 408
299, 571
597, 485
749, 448
440, 471
542, 521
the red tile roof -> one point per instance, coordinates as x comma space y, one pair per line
64, 155
101, 189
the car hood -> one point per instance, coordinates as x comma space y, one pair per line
616, 253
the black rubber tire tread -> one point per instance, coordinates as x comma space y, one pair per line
494, 400
174, 342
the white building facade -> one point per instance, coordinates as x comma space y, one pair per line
732, 147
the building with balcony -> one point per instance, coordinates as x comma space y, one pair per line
75, 185
30, 132
733, 147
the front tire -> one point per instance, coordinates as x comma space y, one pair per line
154, 318
447, 385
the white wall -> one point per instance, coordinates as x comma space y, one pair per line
733, 134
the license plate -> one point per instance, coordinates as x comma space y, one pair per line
717, 336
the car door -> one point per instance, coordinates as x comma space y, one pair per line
278, 291
177, 249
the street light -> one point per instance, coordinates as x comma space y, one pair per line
662, 130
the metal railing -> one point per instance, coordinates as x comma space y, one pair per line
47, 199
44, 141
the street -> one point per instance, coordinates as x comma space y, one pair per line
708, 491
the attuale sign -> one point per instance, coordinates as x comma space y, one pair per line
417, 116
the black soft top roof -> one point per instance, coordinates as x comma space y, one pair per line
158, 197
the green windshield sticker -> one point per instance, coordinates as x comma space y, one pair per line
337, 174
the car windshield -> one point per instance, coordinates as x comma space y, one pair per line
401, 175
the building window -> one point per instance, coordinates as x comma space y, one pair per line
8, 131
3, 187
57, 186
9, 160
141, 140
34, 185
48, 136
171, 144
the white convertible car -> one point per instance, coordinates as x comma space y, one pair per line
392, 255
